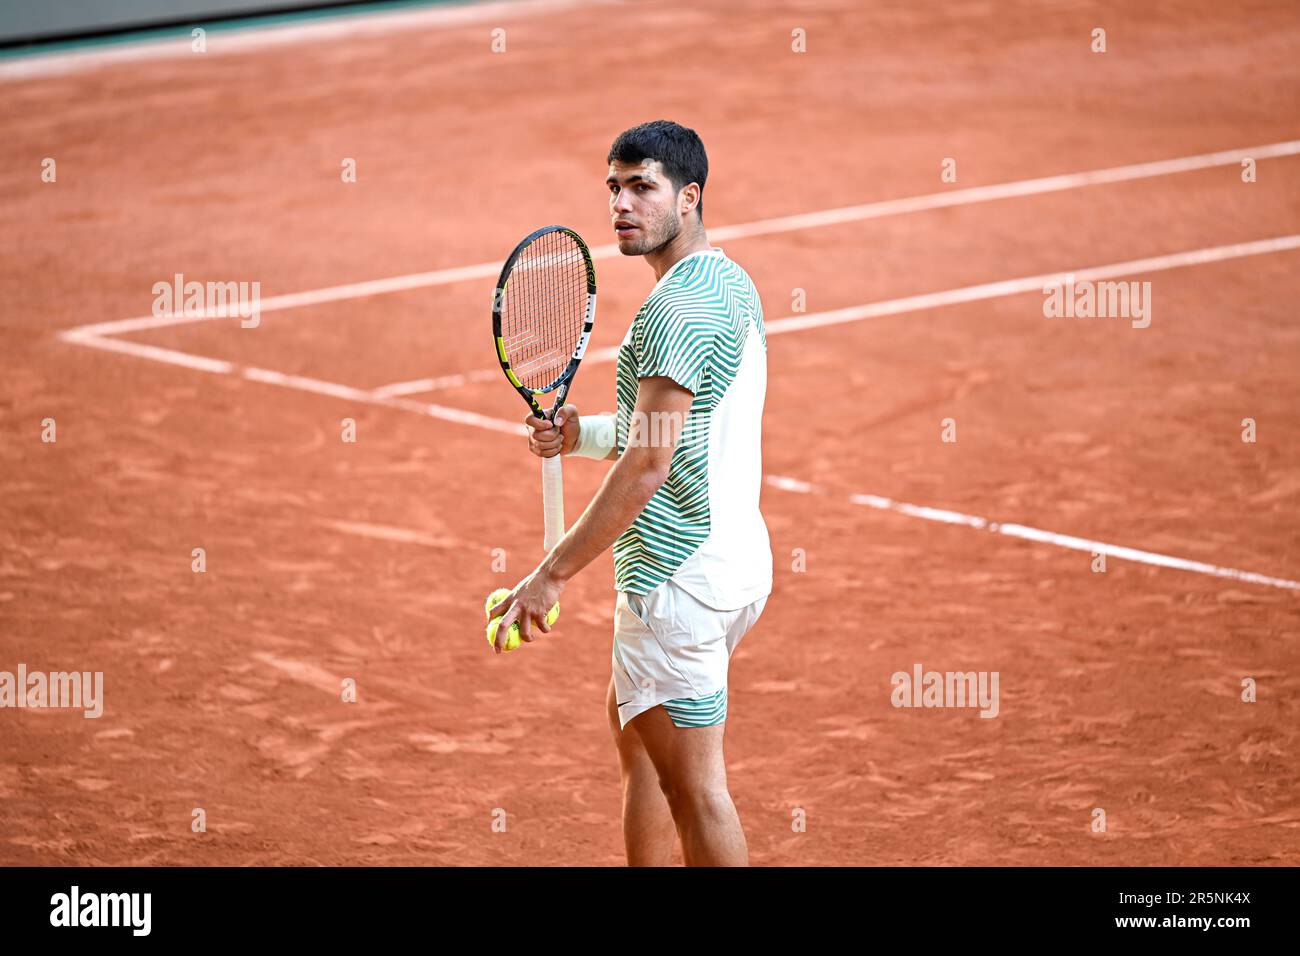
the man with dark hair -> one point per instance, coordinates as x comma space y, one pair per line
678, 148
692, 559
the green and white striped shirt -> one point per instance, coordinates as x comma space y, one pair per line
701, 326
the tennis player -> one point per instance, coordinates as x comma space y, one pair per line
692, 560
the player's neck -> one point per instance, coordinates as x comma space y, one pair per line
681, 246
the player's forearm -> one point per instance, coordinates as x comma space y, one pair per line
627, 489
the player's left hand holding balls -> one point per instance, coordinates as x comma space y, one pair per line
529, 605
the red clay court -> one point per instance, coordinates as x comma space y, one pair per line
370, 560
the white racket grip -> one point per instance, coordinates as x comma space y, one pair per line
553, 500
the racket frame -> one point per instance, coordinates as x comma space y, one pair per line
562, 382
552, 471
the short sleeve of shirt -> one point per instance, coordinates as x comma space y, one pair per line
675, 344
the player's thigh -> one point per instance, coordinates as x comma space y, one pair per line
611, 712
688, 759
630, 749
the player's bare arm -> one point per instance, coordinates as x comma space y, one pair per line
631, 483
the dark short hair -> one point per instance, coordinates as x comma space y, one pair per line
677, 147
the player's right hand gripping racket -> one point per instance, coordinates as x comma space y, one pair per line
542, 314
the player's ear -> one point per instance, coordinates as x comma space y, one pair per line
688, 199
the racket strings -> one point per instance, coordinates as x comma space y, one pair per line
544, 309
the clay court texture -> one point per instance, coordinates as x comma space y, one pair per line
905, 308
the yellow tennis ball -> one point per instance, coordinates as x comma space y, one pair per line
495, 598
513, 639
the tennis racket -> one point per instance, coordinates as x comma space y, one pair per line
542, 314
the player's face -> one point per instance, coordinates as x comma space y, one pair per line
642, 207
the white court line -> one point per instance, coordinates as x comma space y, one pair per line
384, 532
389, 396
154, 353
434, 384
761, 227
1024, 187
1070, 541
994, 290
1038, 535
392, 395
786, 484
299, 382
930, 300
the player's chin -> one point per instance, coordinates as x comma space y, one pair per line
633, 245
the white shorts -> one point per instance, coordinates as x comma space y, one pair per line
672, 649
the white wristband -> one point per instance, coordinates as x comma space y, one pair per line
596, 436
